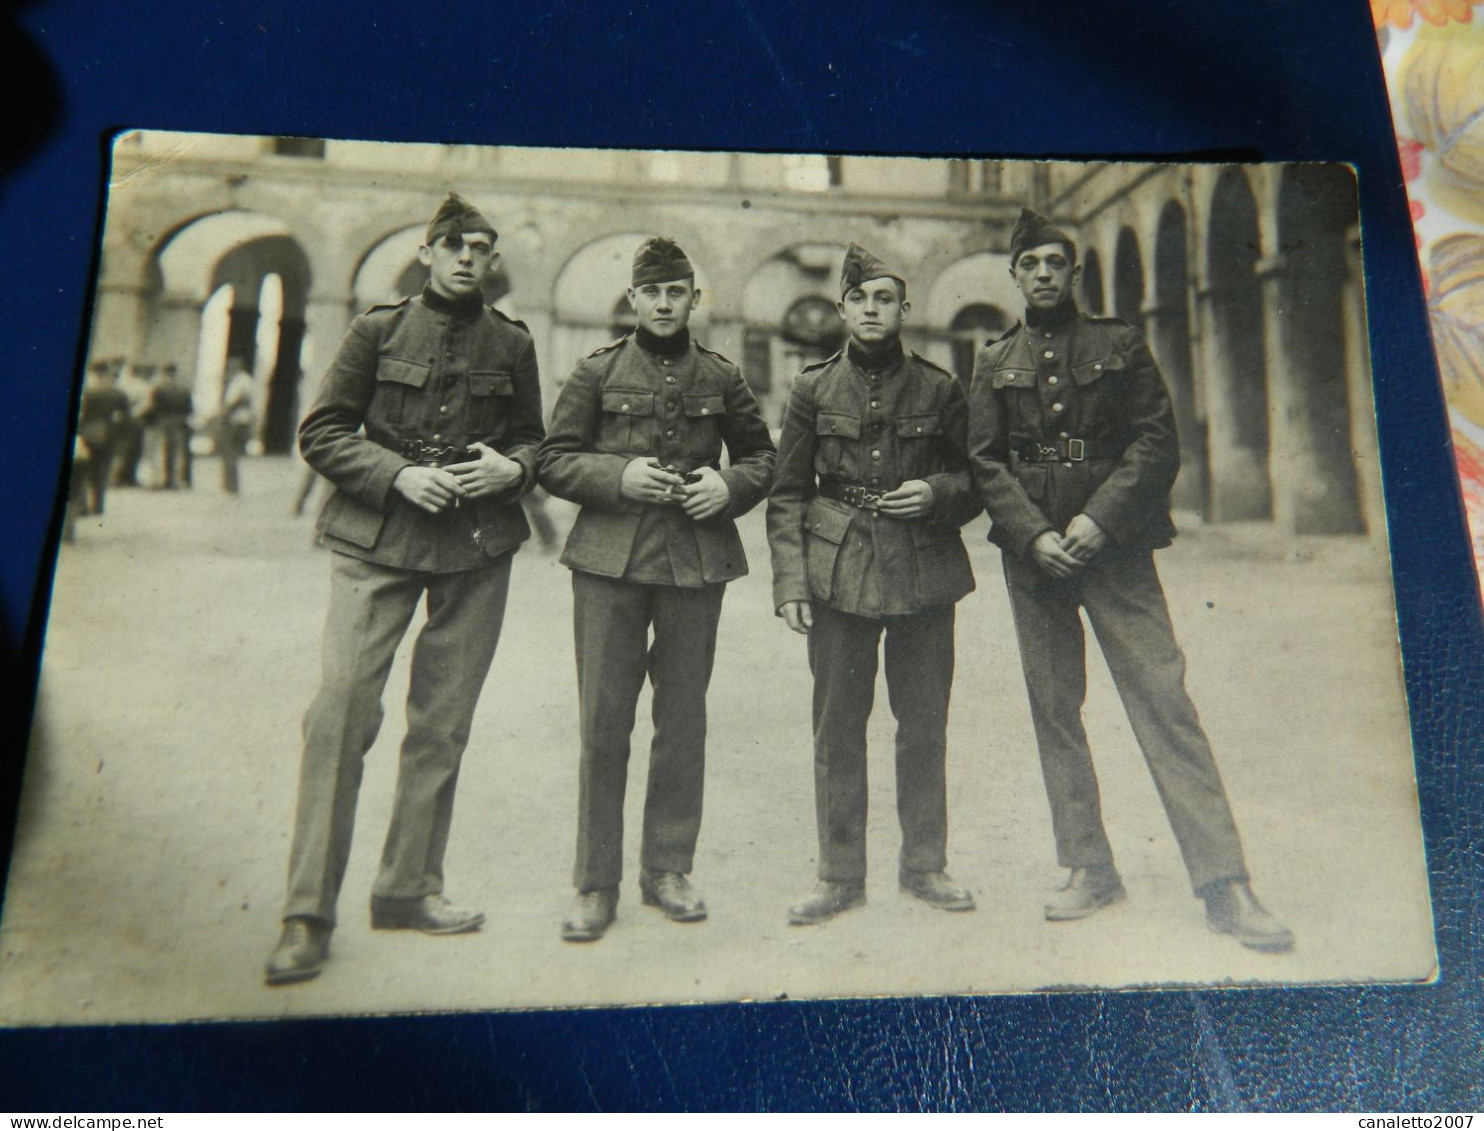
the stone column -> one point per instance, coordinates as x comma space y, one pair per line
118, 312
1360, 383
1168, 331
1239, 489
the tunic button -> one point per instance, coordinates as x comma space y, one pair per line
670, 435
1062, 435
666, 363
1052, 379
876, 455
670, 378
443, 408
671, 405
437, 435
623, 408
1098, 368
875, 404
705, 412
1049, 353
1056, 407
919, 427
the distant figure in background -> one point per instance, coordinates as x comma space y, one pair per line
136, 384
77, 489
100, 417
170, 412
236, 421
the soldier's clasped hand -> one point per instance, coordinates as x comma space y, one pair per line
431, 488
642, 483
490, 474
913, 499
1084, 539
708, 496
798, 615
1048, 553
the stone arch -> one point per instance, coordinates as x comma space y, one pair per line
1240, 487
1093, 300
1316, 211
968, 300
1168, 327
1128, 278
390, 271
783, 327
242, 250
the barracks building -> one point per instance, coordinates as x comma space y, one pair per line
1246, 279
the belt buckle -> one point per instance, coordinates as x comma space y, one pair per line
1047, 451
1076, 450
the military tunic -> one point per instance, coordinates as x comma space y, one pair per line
1071, 416
859, 425
638, 568
427, 372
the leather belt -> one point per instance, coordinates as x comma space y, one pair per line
424, 454
853, 494
1069, 450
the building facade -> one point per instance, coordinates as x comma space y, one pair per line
1245, 278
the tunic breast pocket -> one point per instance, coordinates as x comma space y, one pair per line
703, 416
919, 445
397, 381
837, 438
627, 424
490, 391
1099, 403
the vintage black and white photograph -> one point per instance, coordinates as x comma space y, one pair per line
501, 577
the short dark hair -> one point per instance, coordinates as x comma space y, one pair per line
901, 287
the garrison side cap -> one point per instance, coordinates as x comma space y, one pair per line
1032, 230
454, 217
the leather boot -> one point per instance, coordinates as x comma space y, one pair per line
1087, 890
1232, 909
301, 953
826, 901
671, 893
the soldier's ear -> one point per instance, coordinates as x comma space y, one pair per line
695, 299
633, 299
906, 309
425, 255
1076, 273
840, 306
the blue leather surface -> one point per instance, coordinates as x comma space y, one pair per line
1274, 80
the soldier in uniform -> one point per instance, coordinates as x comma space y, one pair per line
427, 424
636, 438
1073, 446
863, 523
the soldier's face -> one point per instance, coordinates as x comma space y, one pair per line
1045, 275
458, 265
664, 308
873, 312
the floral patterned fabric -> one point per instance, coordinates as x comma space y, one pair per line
1432, 52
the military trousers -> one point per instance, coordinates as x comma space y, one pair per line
918, 652
1126, 607
371, 607
613, 620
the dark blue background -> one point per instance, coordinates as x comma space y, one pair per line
1248, 79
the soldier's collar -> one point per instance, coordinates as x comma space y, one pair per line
465, 307
1054, 319
876, 360
673, 346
